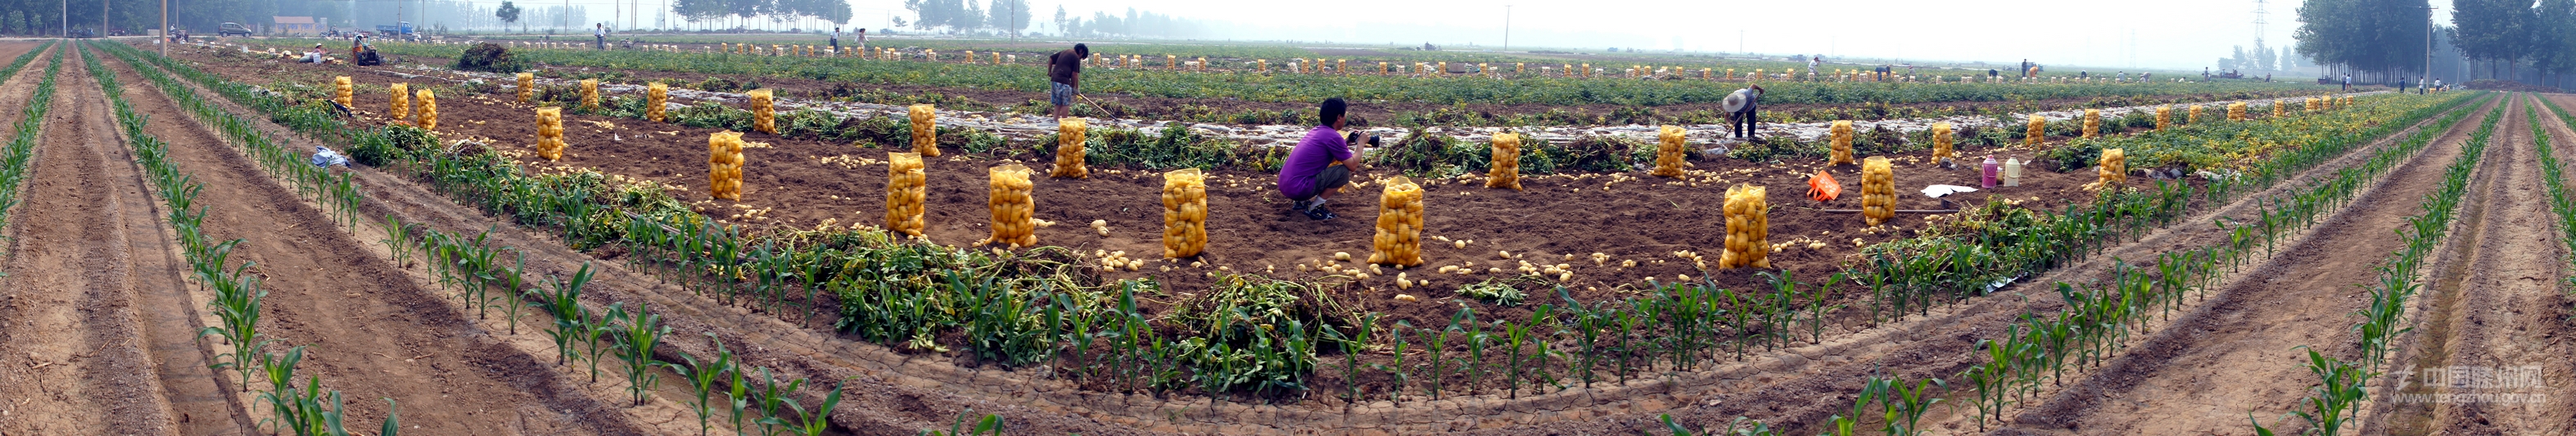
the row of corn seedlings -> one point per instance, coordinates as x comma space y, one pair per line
472, 268
904, 294
21, 149
306, 409
2098, 321
2558, 199
2342, 384
337, 190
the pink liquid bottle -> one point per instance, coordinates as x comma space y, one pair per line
1989, 169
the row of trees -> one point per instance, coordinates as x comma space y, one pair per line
776, 11
2512, 38
2263, 58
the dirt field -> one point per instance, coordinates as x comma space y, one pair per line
101, 316
796, 183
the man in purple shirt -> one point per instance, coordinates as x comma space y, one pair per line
1321, 164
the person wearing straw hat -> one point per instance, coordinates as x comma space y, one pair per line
1740, 108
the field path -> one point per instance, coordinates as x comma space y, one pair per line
85, 243
2499, 301
374, 333
2236, 354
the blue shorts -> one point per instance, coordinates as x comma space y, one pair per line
1061, 94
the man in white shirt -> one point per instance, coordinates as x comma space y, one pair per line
599, 35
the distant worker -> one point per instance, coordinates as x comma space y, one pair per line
1741, 107
2347, 83
1064, 77
1812, 61
2401, 85
1322, 163
863, 38
599, 36
313, 56
836, 39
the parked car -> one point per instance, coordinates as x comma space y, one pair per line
231, 29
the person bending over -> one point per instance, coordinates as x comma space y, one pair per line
1322, 163
1064, 78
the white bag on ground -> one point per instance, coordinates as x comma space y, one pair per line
324, 157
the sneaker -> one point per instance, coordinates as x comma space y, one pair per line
1319, 213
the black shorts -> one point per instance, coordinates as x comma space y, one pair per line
1332, 177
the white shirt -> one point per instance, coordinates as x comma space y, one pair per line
600, 31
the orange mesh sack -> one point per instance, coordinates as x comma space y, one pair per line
1069, 149
656, 96
1842, 134
764, 116
550, 142
1748, 228
341, 92
428, 110
724, 165
1877, 190
1505, 172
527, 86
1669, 152
2038, 131
925, 130
905, 193
401, 110
1399, 224
1013, 208
2092, 123
590, 94
1184, 213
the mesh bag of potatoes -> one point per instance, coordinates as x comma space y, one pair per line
764, 117
724, 165
1069, 149
401, 109
1184, 213
527, 86
2163, 113
2114, 168
656, 95
2191, 116
1877, 190
1669, 152
1506, 169
905, 193
925, 130
1013, 209
342, 92
1748, 228
590, 94
550, 142
428, 112
2236, 111
2092, 123
1399, 224
2038, 131
1942, 151
1842, 134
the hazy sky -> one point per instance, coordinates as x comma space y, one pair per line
2177, 34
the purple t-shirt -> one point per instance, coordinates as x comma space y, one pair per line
1320, 149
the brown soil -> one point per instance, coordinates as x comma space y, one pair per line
2230, 356
2498, 299
83, 245
798, 189
372, 332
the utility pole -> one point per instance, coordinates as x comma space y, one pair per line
164, 42
1507, 27
2428, 46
